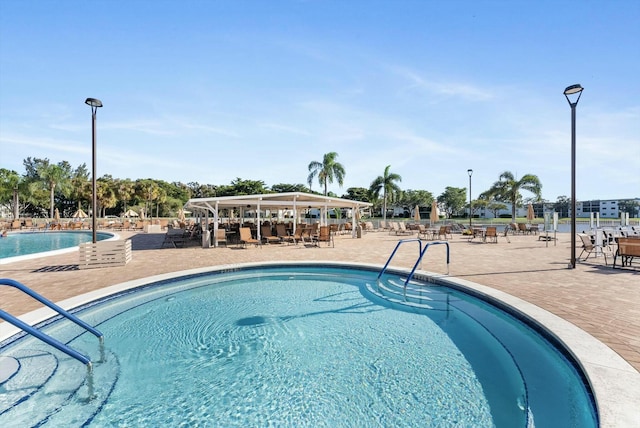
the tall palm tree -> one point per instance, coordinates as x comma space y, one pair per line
507, 188
326, 171
125, 190
55, 176
387, 184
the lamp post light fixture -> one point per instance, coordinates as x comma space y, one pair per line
572, 94
470, 172
94, 104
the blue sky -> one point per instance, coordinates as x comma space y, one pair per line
210, 91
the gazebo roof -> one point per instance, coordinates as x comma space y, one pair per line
274, 201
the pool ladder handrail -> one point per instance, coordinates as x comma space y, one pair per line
48, 339
418, 261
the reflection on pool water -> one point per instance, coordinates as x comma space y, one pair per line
296, 346
20, 244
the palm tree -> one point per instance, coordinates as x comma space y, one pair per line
125, 190
507, 188
387, 184
55, 176
326, 171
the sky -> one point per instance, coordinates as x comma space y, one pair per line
212, 91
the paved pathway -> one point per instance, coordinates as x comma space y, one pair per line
598, 299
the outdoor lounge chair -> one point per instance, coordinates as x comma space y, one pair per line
267, 237
590, 247
403, 228
246, 238
281, 232
298, 234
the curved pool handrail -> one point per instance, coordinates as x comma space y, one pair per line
48, 303
44, 337
393, 253
422, 254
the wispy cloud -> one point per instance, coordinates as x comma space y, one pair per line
284, 128
439, 86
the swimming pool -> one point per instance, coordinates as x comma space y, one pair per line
297, 346
15, 245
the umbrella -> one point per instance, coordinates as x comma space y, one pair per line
142, 213
80, 214
530, 214
130, 213
435, 215
181, 216
416, 214
56, 216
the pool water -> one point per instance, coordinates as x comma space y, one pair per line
20, 244
296, 346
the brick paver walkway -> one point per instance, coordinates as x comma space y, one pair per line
598, 299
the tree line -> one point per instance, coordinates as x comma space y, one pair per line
45, 186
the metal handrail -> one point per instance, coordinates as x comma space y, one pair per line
393, 253
418, 261
56, 308
50, 340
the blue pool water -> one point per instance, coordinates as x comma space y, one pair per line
295, 346
20, 244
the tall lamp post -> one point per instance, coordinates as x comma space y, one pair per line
94, 104
470, 172
572, 94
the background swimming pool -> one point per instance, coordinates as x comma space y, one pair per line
20, 244
291, 347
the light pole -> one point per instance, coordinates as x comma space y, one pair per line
573, 92
470, 172
94, 104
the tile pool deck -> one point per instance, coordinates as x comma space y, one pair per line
601, 301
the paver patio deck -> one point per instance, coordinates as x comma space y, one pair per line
602, 301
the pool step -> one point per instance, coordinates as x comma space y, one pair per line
25, 371
50, 389
418, 295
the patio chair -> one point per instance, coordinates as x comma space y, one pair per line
426, 233
394, 228
267, 237
324, 235
444, 231
403, 229
590, 248
246, 238
491, 234
281, 232
221, 236
298, 234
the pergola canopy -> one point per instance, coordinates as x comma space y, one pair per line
273, 201
294, 201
